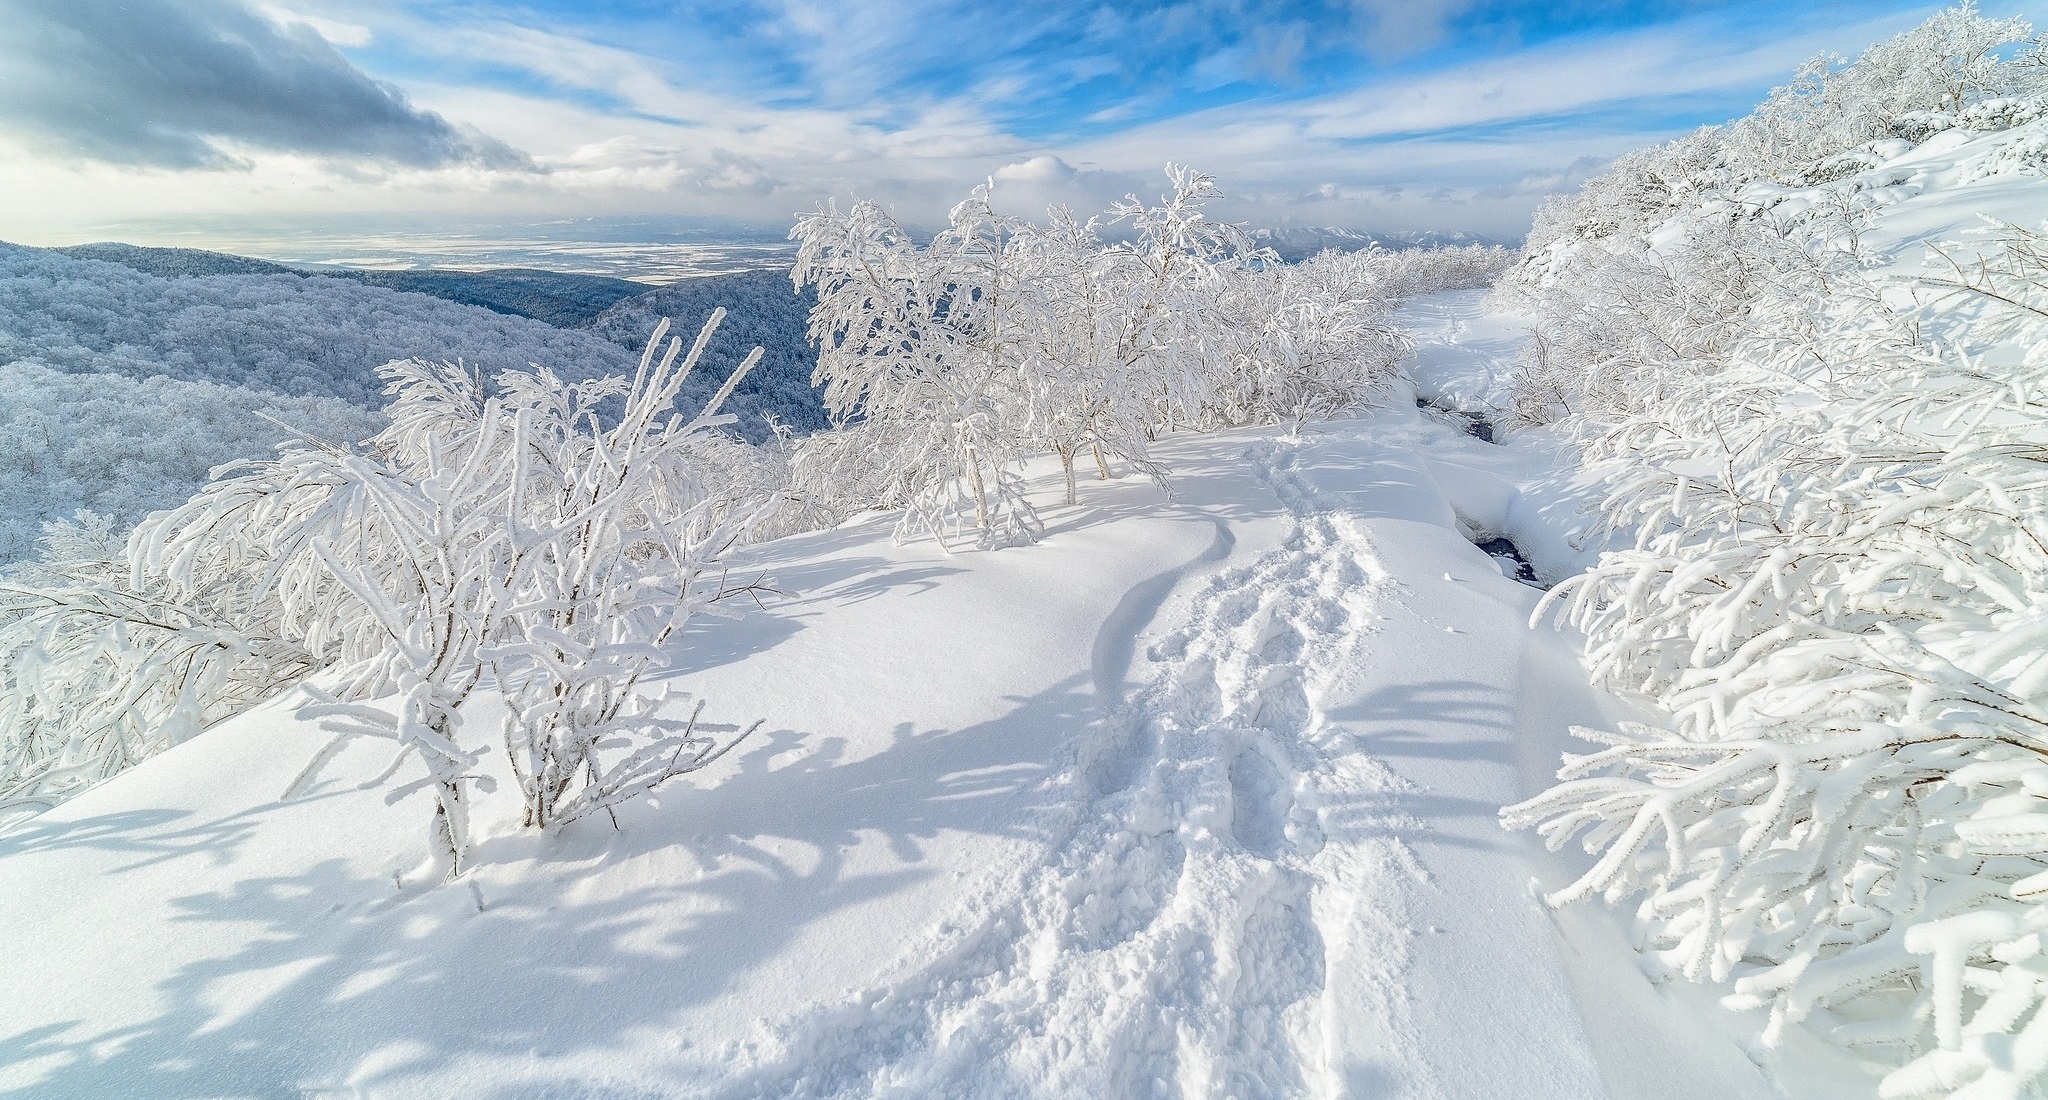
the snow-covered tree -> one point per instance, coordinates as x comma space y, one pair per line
1083, 364
921, 343
1305, 341
947, 365
1128, 338
515, 534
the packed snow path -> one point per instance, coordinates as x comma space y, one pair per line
1243, 897
1195, 799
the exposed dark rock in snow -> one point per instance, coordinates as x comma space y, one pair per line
1506, 552
1474, 424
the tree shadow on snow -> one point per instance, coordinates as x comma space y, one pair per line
767, 620
143, 834
1440, 736
337, 980
333, 981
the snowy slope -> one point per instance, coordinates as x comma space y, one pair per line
1196, 798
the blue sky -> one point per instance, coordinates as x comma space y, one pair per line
1377, 114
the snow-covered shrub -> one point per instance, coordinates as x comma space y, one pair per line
1843, 165
1308, 340
1619, 323
1414, 271
1947, 63
520, 534
2026, 155
1002, 338
102, 665
2002, 113
1835, 592
1835, 491
1918, 126
613, 545
1638, 191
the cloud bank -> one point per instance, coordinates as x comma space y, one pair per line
196, 83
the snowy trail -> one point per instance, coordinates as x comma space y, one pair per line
1243, 896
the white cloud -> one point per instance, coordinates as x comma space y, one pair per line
1028, 187
1041, 170
614, 130
340, 32
158, 83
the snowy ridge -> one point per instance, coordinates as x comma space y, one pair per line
1194, 798
1244, 897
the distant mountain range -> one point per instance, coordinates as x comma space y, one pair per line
559, 298
1298, 242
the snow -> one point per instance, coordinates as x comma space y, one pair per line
1946, 189
1195, 797
1462, 351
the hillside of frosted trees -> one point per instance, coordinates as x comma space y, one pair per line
286, 351
125, 387
561, 299
1820, 437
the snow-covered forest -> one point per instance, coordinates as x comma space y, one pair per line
1113, 654
170, 362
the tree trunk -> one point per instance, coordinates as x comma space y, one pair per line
450, 825
1101, 467
1067, 466
980, 493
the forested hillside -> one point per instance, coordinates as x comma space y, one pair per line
174, 361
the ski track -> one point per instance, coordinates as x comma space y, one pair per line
1175, 942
